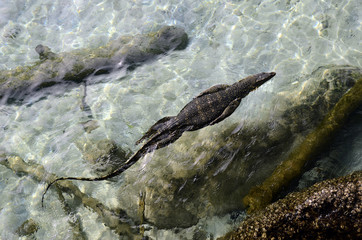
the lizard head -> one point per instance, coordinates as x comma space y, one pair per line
263, 77
252, 82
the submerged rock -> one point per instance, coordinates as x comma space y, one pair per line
315, 142
209, 171
115, 219
104, 155
332, 163
27, 228
45, 52
73, 67
331, 209
90, 125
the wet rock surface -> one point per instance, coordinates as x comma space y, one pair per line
331, 209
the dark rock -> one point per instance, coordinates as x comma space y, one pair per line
45, 52
328, 210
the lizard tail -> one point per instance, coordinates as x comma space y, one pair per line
132, 160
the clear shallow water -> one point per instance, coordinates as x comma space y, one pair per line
229, 40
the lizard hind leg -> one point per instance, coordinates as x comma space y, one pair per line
167, 137
161, 124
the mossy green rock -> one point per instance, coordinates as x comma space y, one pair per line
73, 67
331, 209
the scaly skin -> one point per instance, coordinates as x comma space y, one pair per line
209, 107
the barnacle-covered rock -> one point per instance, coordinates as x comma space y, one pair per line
331, 209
